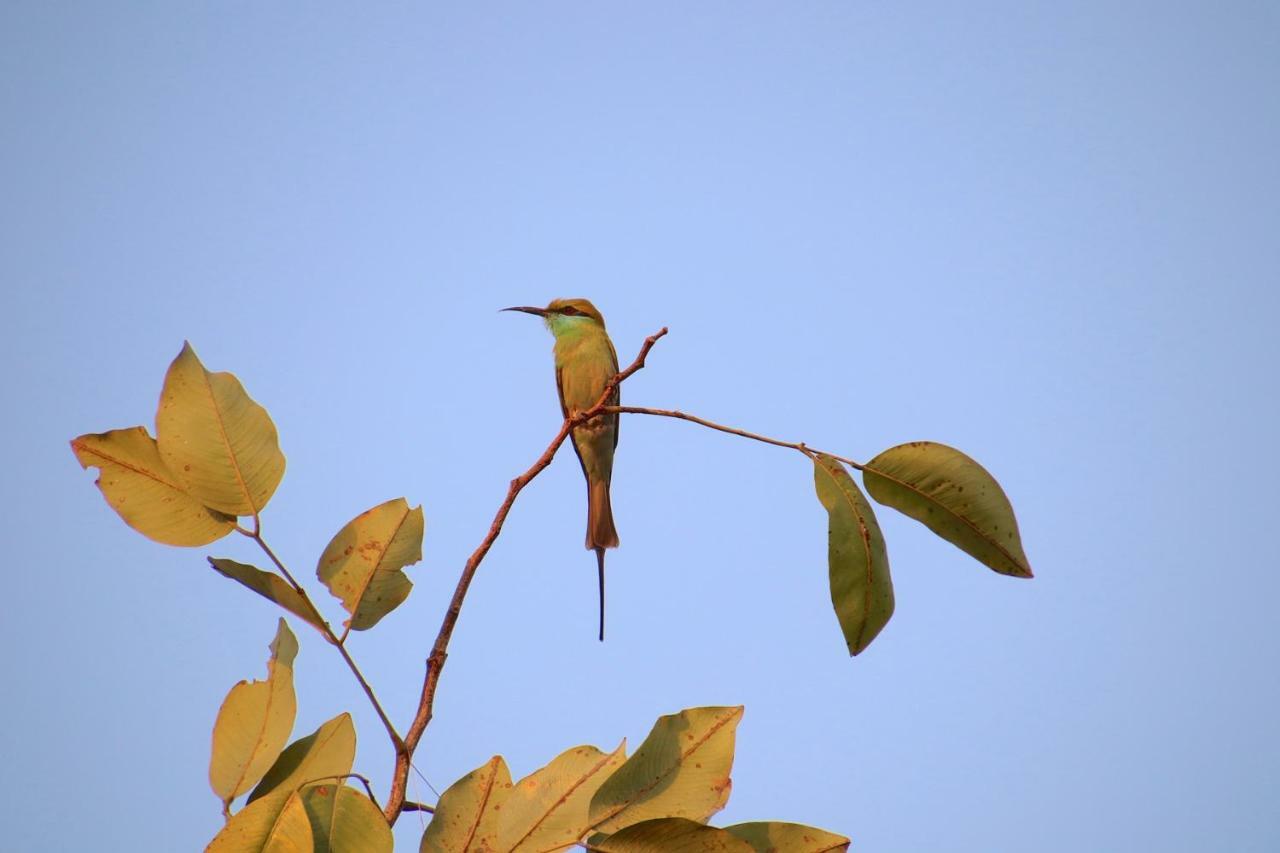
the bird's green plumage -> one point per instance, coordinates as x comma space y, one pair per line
585, 362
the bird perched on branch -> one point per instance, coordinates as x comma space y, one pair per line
585, 362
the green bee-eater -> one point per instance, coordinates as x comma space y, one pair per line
585, 362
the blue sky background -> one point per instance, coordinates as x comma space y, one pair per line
1044, 233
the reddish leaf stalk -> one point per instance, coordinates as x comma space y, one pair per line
684, 416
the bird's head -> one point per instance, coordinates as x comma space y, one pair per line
564, 315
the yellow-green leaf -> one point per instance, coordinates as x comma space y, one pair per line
548, 809
266, 826
671, 835
777, 837
681, 770
254, 722
268, 585
219, 442
362, 564
146, 494
954, 497
344, 820
326, 753
469, 811
857, 564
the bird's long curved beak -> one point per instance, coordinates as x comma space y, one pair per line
541, 312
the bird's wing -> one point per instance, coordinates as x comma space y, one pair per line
565, 411
616, 397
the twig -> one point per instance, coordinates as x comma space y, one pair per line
368, 787
256, 536
684, 416
411, 806
436, 659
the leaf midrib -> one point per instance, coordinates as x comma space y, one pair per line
150, 475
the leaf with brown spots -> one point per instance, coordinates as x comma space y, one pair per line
681, 770
220, 443
344, 820
146, 494
469, 811
328, 752
548, 809
770, 836
954, 497
670, 835
857, 564
362, 564
254, 722
266, 826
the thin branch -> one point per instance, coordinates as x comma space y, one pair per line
396, 741
411, 806
436, 659
256, 536
368, 787
684, 416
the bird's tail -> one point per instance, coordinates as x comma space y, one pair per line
600, 566
601, 533
600, 529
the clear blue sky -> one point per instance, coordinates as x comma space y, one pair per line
1045, 233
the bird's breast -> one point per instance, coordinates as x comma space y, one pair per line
585, 367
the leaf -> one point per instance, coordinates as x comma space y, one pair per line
344, 820
469, 810
671, 835
681, 770
221, 444
769, 836
328, 752
857, 565
266, 827
254, 722
361, 565
954, 497
144, 492
268, 585
548, 809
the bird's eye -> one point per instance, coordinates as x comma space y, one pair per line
570, 311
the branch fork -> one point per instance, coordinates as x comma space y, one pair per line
436, 659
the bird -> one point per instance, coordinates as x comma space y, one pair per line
585, 362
